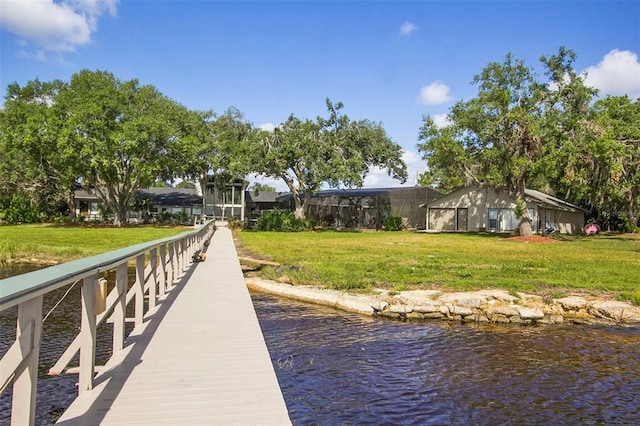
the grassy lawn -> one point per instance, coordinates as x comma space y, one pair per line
62, 243
403, 260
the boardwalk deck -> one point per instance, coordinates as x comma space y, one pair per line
203, 359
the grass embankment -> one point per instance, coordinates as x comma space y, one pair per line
404, 261
65, 243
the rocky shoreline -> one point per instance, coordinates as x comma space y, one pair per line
483, 306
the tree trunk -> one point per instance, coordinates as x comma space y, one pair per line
71, 205
524, 227
297, 202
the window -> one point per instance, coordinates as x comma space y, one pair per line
493, 219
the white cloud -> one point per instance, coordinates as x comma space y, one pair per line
617, 74
407, 28
435, 94
267, 126
441, 120
59, 27
378, 178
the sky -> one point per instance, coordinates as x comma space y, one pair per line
387, 61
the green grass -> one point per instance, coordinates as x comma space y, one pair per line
350, 260
64, 243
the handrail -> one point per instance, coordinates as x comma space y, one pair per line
168, 258
14, 290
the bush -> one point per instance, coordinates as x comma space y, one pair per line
392, 223
234, 223
282, 220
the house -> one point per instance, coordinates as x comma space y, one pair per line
220, 202
484, 208
367, 207
258, 202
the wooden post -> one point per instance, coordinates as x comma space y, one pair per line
119, 308
163, 270
23, 408
88, 334
139, 305
153, 283
171, 263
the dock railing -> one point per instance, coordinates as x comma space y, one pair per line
158, 264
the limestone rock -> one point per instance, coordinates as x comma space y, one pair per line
355, 303
529, 313
616, 311
468, 300
571, 303
459, 310
426, 309
500, 295
507, 311
400, 309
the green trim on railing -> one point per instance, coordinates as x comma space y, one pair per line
32, 284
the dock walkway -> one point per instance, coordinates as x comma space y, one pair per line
202, 361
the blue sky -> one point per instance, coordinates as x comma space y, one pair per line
387, 61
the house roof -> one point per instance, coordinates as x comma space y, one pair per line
165, 196
354, 192
549, 201
261, 197
532, 196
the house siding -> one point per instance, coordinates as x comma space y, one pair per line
443, 214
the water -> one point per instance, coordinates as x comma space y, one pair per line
337, 368
340, 368
55, 393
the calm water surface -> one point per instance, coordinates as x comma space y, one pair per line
337, 368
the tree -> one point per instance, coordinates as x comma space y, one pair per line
258, 187
506, 135
125, 133
333, 150
43, 164
612, 166
215, 144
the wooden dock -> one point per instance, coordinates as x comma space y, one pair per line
202, 361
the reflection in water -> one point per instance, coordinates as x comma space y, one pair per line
337, 368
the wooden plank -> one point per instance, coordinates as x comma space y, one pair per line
200, 359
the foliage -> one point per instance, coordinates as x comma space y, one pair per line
282, 220
451, 261
38, 162
392, 223
18, 208
333, 150
258, 187
219, 144
234, 223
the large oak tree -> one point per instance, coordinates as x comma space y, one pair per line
334, 150
508, 135
124, 132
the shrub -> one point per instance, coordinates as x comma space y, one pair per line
392, 223
234, 223
282, 220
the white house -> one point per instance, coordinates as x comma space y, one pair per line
484, 208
